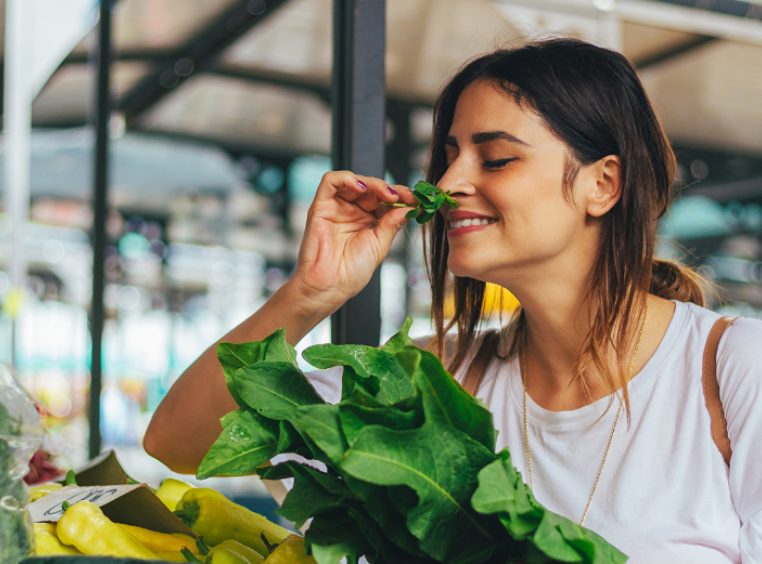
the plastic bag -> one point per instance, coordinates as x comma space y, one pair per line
20, 436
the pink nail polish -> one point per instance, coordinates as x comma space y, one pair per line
392, 190
362, 184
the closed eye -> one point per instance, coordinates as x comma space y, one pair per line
498, 163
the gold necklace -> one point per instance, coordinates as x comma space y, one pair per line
528, 452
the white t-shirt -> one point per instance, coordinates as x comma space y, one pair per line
665, 494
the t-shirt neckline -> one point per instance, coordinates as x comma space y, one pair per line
590, 413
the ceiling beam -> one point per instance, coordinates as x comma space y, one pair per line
673, 52
196, 54
702, 18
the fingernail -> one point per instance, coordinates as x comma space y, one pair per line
392, 190
362, 185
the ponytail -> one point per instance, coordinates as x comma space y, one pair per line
674, 281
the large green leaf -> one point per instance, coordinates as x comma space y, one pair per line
354, 418
247, 441
314, 492
274, 389
501, 491
368, 363
334, 535
385, 507
321, 425
233, 356
440, 464
446, 402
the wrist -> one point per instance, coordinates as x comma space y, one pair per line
311, 303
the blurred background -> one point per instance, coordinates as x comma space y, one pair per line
219, 132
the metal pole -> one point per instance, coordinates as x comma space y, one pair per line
100, 209
359, 34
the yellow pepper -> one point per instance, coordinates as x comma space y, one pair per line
290, 551
215, 518
46, 543
160, 542
229, 550
171, 490
41, 490
177, 556
223, 555
84, 526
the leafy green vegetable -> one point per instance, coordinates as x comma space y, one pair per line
409, 471
430, 199
14, 531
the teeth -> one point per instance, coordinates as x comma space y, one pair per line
469, 222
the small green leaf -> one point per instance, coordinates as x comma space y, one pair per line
247, 441
400, 339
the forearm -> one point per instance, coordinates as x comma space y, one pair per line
186, 422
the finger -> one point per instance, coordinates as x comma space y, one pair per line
378, 193
343, 184
405, 194
389, 225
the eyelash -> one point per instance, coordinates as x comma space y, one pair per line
498, 163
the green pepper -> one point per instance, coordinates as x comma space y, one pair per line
215, 518
84, 526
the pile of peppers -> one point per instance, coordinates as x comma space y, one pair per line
224, 532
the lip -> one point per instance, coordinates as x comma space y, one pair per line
464, 214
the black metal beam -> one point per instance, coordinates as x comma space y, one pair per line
359, 36
740, 8
199, 52
281, 80
100, 208
674, 51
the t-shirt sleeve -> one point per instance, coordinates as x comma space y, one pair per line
739, 373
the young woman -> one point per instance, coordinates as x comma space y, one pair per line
560, 170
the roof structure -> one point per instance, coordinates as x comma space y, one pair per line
253, 76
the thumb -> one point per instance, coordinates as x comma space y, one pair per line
389, 225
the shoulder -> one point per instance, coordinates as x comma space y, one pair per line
741, 346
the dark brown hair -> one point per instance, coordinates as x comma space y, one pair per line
592, 99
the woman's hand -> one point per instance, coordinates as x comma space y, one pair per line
349, 232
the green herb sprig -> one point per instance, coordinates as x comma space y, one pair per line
430, 199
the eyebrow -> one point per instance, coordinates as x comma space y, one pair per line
486, 136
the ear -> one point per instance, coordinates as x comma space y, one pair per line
604, 185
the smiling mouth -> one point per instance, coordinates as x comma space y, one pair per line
470, 222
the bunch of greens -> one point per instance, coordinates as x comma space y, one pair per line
430, 199
408, 467
14, 529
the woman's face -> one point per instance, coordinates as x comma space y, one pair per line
505, 169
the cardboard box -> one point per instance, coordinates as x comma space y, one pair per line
104, 482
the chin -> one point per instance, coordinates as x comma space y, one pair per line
462, 269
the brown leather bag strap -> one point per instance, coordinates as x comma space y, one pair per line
719, 423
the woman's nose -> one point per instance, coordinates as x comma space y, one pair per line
456, 182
